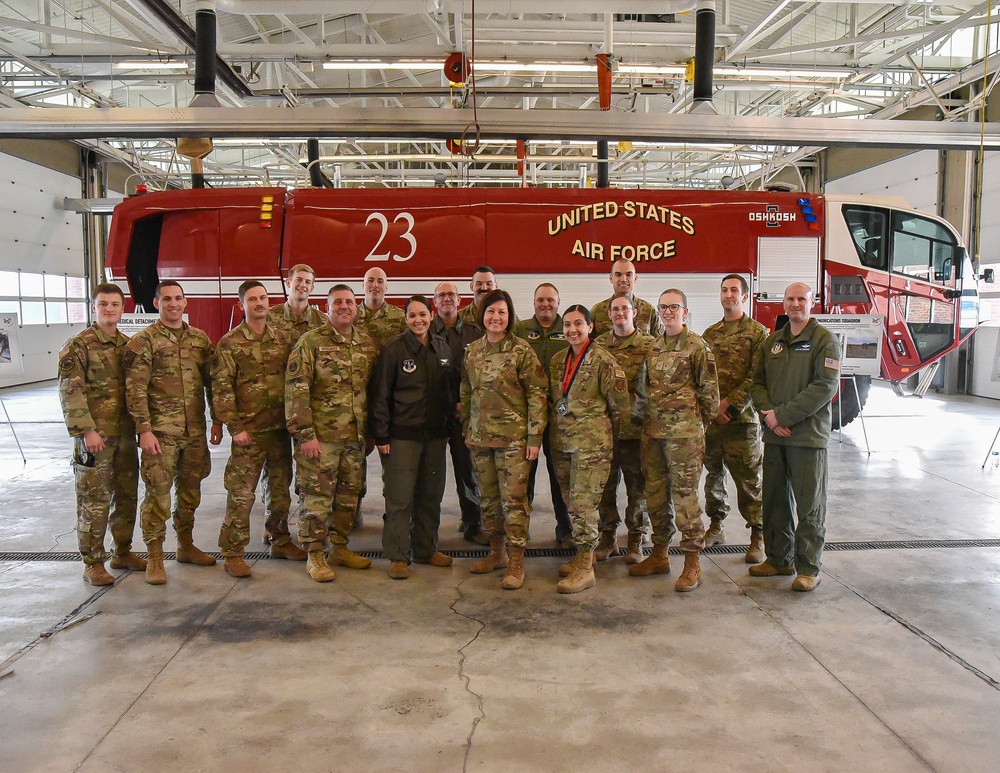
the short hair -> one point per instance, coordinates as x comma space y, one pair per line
247, 286
675, 291
340, 287
167, 283
106, 288
743, 282
546, 284
493, 297
484, 270
419, 299
300, 267
631, 302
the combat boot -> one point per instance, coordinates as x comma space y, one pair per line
633, 553
317, 567
237, 567
691, 576
155, 573
755, 550
583, 576
187, 553
607, 547
658, 562
126, 559
514, 578
570, 566
767, 569
96, 574
288, 550
398, 570
715, 535
341, 555
497, 558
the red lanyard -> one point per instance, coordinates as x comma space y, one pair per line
570, 371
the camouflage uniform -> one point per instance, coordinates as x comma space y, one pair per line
470, 315
168, 374
92, 393
546, 342
647, 320
459, 336
630, 353
282, 318
326, 399
583, 436
503, 412
736, 445
248, 392
383, 324
796, 377
683, 397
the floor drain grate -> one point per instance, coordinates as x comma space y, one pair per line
565, 553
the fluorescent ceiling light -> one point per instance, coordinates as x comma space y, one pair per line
152, 64
378, 64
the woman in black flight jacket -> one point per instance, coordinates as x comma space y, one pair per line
413, 394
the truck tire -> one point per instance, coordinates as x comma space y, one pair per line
846, 404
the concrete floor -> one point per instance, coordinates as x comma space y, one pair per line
891, 665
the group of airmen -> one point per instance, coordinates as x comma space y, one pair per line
621, 390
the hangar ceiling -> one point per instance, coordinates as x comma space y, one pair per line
773, 59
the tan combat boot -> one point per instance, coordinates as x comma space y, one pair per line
715, 535
237, 567
570, 566
514, 578
398, 570
755, 550
341, 555
583, 576
96, 574
187, 553
317, 567
633, 553
288, 550
607, 547
497, 559
155, 573
126, 559
767, 569
658, 562
691, 576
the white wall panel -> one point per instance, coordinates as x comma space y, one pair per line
913, 177
37, 235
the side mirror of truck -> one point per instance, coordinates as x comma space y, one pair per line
987, 276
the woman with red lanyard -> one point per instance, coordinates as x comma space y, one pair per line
588, 393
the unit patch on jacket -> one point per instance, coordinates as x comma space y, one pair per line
409, 366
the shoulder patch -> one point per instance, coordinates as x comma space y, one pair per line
128, 358
66, 364
293, 363
831, 363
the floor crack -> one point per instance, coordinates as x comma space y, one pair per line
464, 677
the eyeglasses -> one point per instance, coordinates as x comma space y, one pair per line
445, 295
624, 310
671, 307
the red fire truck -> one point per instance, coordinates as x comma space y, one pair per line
863, 255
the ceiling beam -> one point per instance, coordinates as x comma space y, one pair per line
432, 123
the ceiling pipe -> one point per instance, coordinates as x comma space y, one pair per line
704, 58
197, 148
316, 177
166, 14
